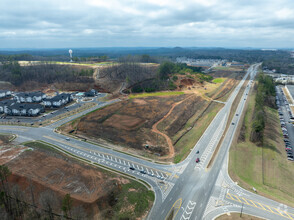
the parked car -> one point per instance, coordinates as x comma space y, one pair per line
197, 160
132, 168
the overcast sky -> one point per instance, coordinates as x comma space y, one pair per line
124, 23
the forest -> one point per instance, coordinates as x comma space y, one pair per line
44, 73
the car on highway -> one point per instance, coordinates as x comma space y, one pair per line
197, 160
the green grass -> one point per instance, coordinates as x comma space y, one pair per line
170, 93
218, 80
133, 194
225, 68
188, 141
7, 137
264, 167
236, 216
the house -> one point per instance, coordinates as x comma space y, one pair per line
5, 93
25, 109
91, 93
29, 97
4, 105
58, 100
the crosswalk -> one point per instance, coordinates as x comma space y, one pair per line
111, 160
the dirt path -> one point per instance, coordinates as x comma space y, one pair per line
167, 138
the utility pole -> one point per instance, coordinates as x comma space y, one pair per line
241, 210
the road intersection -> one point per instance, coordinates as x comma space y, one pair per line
187, 190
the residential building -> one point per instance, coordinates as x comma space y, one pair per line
5, 93
91, 93
25, 109
58, 100
5, 104
29, 97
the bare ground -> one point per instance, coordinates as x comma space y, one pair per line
93, 190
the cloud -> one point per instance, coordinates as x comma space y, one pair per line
94, 23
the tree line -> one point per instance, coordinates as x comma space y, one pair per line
45, 72
265, 96
15, 204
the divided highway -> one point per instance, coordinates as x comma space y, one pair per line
187, 190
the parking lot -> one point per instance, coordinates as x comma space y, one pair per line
286, 119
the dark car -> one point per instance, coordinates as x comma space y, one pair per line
132, 168
233, 123
197, 152
197, 160
143, 171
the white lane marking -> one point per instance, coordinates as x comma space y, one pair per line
188, 211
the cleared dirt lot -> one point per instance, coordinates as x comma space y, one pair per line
230, 77
131, 122
163, 125
45, 175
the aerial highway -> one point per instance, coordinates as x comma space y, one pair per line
187, 190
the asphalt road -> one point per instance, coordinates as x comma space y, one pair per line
188, 189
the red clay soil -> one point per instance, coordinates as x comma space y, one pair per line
58, 175
9, 153
187, 82
167, 138
126, 122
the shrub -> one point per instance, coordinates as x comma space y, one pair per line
175, 78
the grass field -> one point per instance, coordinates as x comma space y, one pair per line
287, 95
6, 138
188, 141
170, 93
218, 80
228, 68
136, 195
266, 168
236, 216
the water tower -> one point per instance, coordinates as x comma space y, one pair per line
70, 54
